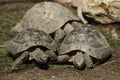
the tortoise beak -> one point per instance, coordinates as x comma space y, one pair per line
30, 58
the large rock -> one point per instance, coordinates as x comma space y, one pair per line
11, 1
103, 11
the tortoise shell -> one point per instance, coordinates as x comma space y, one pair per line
88, 41
45, 16
30, 38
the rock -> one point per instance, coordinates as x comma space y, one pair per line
11, 1
103, 11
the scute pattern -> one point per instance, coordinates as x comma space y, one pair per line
30, 38
45, 16
87, 40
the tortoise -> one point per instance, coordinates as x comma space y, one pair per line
32, 44
84, 47
50, 17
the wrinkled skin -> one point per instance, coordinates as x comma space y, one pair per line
37, 55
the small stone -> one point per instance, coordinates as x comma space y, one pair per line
53, 76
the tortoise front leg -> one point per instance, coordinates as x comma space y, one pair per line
63, 58
88, 61
51, 54
20, 59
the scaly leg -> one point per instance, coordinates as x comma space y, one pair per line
63, 58
20, 59
88, 61
51, 54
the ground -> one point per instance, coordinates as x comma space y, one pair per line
11, 14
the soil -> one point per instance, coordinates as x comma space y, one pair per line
109, 70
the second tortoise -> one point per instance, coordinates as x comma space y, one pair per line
83, 46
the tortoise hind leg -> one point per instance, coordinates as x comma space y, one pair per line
20, 59
88, 61
78, 60
59, 34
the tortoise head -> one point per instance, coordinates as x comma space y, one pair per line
39, 56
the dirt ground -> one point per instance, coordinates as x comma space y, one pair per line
109, 70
